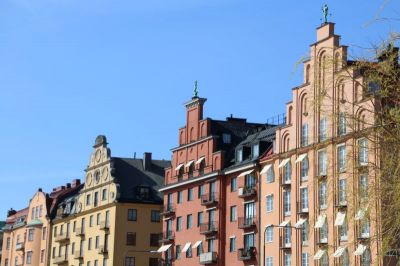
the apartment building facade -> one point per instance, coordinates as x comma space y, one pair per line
114, 219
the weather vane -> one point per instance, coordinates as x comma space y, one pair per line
195, 92
325, 10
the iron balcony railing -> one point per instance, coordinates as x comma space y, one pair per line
247, 222
209, 199
247, 191
208, 228
168, 209
248, 253
167, 236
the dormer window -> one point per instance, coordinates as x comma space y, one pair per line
226, 138
143, 193
255, 150
239, 155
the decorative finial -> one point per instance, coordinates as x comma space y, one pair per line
195, 91
325, 10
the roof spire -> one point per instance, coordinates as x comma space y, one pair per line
195, 91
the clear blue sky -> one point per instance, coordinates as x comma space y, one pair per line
73, 69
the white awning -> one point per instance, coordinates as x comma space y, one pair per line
186, 247
320, 221
340, 217
200, 160
301, 157
265, 169
339, 252
198, 243
189, 163
246, 173
284, 162
319, 254
360, 250
300, 223
284, 223
164, 248
360, 214
179, 167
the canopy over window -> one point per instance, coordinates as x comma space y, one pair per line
164, 248
284, 162
301, 157
265, 169
246, 173
320, 221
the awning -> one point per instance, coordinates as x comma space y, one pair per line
320, 221
186, 247
360, 214
246, 173
164, 248
179, 167
284, 162
339, 252
284, 223
189, 163
198, 243
200, 160
301, 158
300, 223
360, 250
319, 254
268, 225
265, 169
341, 216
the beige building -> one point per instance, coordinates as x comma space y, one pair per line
115, 218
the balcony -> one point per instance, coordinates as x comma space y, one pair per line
60, 259
246, 222
104, 225
78, 255
208, 258
283, 244
62, 237
248, 191
19, 246
166, 237
168, 210
102, 250
209, 199
302, 210
245, 254
80, 231
208, 228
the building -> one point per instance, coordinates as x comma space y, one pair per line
2, 224
315, 182
114, 219
211, 191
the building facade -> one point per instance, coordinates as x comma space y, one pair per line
114, 219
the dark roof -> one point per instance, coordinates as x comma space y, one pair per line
131, 175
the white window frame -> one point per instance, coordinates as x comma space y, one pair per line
269, 201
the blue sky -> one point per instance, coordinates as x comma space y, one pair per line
73, 69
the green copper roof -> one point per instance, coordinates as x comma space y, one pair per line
35, 222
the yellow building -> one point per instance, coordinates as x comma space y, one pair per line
115, 218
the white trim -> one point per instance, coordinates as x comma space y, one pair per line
321, 221
192, 143
164, 248
189, 163
187, 182
246, 173
250, 201
360, 214
300, 223
179, 166
202, 158
340, 218
265, 169
186, 247
301, 158
284, 223
198, 243
360, 250
283, 162
304, 186
339, 252
240, 169
166, 219
248, 233
319, 254
212, 208
232, 237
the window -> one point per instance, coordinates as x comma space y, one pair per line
239, 155
29, 257
366, 258
30, 234
304, 233
8, 243
365, 228
179, 223
363, 152
6, 262
304, 135
304, 198
131, 239
270, 175
44, 231
96, 263
201, 168
155, 216
270, 203
304, 169
104, 194
105, 262
16, 261
189, 221
130, 261
190, 194
91, 221
287, 173
42, 256
96, 242
249, 241
233, 216
341, 153
88, 200
178, 252
322, 129
89, 243
132, 215
255, 150
304, 259
73, 248
324, 260
153, 262
199, 218
189, 252
154, 240
180, 196
342, 124
233, 184
269, 234
287, 236
342, 191
287, 259
232, 244
96, 199
226, 138
190, 170
98, 218
88, 263
323, 233
343, 230
286, 202
54, 252
269, 261
201, 191
322, 162
322, 195
363, 187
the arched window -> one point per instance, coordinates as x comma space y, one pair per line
325, 260
366, 258
203, 130
290, 115
202, 165
190, 170
181, 138
192, 134
180, 173
338, 62
308, 74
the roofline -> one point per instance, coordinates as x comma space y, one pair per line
189, 181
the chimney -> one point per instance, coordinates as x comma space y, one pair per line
11, 212
40, 189
76, 182
147, 161
68, 185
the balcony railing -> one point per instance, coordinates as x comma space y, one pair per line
80, 231
169, 209
60, 259
283, 244
104, 225
208, 228
19, 246
247, 191
302, 210
209, 199
208, 258
246, 222
62, 237
167, 236
248, 253
78, 255
102, 250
